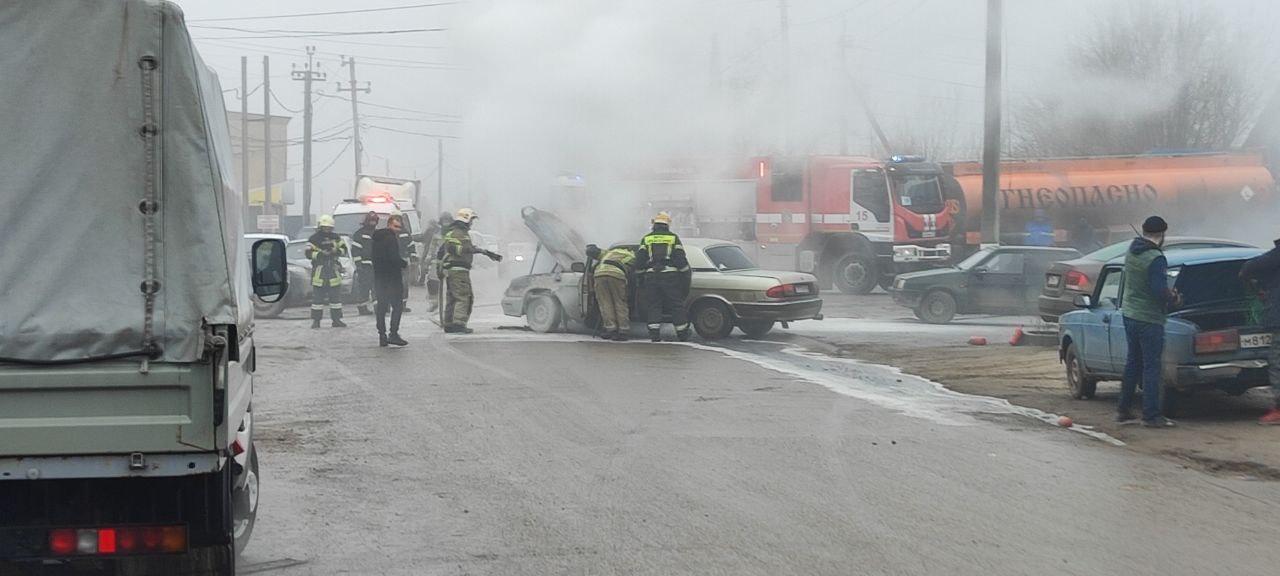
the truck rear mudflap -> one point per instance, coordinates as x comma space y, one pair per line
106, 408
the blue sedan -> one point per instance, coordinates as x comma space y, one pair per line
1212, 341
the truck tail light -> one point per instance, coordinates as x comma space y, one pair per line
1218, 341
113, 541
1077, 280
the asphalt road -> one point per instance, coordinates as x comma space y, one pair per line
509, 453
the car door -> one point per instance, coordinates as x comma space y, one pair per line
999, 284
1109, 303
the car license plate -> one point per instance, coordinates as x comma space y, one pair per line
802, 289
1053, 281
1255, 340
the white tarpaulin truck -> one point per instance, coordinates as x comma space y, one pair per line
126, 325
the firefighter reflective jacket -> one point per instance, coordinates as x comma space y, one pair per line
458, 250
661, 251
616, 263
325, 249
362, 245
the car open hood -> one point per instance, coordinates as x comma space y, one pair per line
557, 238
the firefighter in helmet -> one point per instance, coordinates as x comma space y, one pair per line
457, 254
362, 254
662, 263
325, 249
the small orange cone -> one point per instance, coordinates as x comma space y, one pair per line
1065, 421
1018, 335
977, 341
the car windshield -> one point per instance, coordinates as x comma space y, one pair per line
919, 194
726, 258
975, 259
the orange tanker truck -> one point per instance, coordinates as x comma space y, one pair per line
1230, 195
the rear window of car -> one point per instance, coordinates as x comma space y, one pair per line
1109, 253
725, 258
1213, 282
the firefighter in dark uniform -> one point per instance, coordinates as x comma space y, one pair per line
664, 268
362, 254
325, 249
407, 251
456, 255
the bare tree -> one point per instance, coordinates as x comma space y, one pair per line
1150, 75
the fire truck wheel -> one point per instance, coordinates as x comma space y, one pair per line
856, 272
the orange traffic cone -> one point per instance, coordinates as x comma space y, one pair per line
977, 341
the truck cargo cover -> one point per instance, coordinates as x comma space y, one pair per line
77, 96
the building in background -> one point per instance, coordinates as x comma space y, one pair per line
282, 194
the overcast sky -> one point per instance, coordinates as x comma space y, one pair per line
524, 88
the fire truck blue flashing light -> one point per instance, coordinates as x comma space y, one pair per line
905, 158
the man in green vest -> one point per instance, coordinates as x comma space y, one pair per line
611, 292
1145, 304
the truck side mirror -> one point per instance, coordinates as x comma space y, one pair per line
270, 270
578, 268
1084, 301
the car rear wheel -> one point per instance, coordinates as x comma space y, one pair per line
712, 320
937, 307
544, 313
755, 329
1082, 386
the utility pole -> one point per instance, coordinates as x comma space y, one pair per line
307, 75
266, 135
785, 29
244, 132
844, 72
991, 132
355, 89
440, 175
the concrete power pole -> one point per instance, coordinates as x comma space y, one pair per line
244, 132
266, 135
308, 74
784, 24
439, 176
355, 89
991, 132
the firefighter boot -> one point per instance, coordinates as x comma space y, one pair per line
655, 335
336, 315
316, 315
396, 340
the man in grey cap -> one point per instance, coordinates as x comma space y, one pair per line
1145, 305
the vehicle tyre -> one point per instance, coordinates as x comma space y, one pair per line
270, 310
1082, 386
544, 313
937, 307
712, 320
244, 502
886, 282
755, 329
856, 272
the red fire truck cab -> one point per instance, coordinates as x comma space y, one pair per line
855, 222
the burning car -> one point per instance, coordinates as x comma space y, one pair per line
727, 290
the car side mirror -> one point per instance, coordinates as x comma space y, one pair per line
1084, 301
578, 267
981, 270
270, 270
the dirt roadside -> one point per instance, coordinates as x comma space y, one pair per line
1217, 433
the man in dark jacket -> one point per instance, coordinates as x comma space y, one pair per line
1145, 304
1265, 272
388, 271
361, 253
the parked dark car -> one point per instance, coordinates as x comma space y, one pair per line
1213, 341
994, 280
1066, 280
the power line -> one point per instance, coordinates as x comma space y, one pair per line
335, 159
282, 33
396, 108
423, 64
310, 14
287, 109
401, 118
376, 127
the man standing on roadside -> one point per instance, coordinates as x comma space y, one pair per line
388, 273
1145, 304
1265, 271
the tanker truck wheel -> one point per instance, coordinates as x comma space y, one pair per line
856, 272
